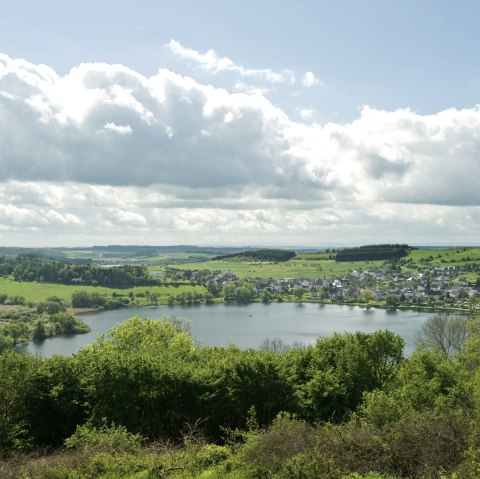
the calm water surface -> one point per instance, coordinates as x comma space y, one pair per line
248, 325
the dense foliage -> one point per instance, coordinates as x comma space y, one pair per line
373, 252
36, 322
33, 268
349, 406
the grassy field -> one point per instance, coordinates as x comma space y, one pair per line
308, 266
40, 291
448, 256
297, 268
317, 265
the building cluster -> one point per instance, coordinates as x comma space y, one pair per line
423, 286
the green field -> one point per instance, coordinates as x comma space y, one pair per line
297, 268
447, 256
40, 291
317, 265
306, 266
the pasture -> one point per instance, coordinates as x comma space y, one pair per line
34, 291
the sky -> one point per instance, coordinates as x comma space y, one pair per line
307, 123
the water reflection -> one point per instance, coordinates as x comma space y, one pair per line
248, 325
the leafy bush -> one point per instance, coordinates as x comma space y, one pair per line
112, 439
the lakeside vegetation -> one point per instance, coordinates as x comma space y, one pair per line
438, 279
21, 322
146, 401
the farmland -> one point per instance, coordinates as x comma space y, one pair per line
34, 291
319, 265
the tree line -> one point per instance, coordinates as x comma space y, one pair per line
373, 252
32, 268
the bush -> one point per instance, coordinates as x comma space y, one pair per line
286, 437
112, 439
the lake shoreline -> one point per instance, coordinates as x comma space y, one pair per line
246, 326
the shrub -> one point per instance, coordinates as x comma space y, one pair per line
112, 439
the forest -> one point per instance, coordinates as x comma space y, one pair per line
34, 268
373, 252
147, 401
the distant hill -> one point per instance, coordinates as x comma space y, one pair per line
148, 250
278, 255
373, 252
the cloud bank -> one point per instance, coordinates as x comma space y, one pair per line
106, 149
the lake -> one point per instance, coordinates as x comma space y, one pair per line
248, 325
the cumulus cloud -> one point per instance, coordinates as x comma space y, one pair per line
309, 80
106, 124
104, 148
211, 62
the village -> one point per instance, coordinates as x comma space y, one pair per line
385, 285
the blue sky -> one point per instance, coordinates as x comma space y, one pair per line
273, 122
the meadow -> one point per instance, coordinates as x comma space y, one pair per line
300, 267
303, 266
34, 291
318, 265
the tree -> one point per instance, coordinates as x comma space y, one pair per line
80, 299
55, 402
154, 298
298, 293
6, 343
444, 333
366, 296
39, 331
266, 296
16, 372
148, 297
332, 377
244, 294
392, 301
50, 307
229, 293
212, 288
323, 294
275, 345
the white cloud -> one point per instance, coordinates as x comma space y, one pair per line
14, 215
106, 149
307, 113
56, 217
310, 80
120, 129
211, 62
173, 131
128, 217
